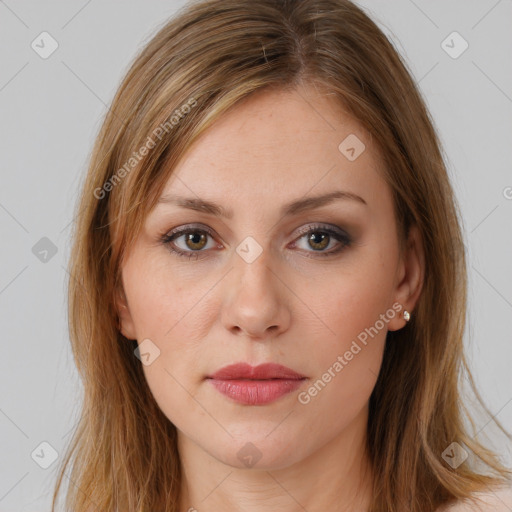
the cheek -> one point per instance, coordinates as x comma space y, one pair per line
367, 288
164, 308
160, 300
348, 362
353, 301
355, 308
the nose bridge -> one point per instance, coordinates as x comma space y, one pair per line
253, 267
253, 272
254, 300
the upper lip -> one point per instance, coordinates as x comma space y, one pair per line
264, 371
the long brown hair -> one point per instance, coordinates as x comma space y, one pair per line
210, 56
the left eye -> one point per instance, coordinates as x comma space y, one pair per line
319, 239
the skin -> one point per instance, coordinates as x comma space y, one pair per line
290, 305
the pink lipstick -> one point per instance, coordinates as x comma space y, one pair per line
256, 385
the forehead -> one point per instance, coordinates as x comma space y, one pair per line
277, 146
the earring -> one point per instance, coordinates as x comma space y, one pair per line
407, 315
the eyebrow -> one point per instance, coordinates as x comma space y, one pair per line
297, 206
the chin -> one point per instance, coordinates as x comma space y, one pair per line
259, 451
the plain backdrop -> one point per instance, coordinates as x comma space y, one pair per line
50, 111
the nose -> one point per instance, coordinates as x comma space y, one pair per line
256, 300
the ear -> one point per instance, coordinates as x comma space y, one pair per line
126, 325
410, 276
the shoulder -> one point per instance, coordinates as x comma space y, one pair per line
496, 500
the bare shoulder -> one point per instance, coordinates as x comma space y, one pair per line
496, 500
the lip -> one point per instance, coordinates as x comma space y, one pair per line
264, 371
255, 385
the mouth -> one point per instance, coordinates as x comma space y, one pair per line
256, 385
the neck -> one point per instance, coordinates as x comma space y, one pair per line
335, 477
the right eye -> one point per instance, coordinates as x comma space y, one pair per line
188, 241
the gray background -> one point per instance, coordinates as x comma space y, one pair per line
51, 109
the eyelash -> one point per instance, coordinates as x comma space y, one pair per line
167, 239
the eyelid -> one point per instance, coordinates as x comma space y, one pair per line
321, 227
189, 227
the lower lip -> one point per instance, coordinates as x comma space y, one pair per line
256, 392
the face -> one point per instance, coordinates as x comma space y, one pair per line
270, 275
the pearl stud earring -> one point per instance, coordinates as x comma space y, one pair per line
407, 315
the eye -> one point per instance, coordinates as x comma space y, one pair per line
320, 237
188, 241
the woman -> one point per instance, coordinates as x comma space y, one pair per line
269, 286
